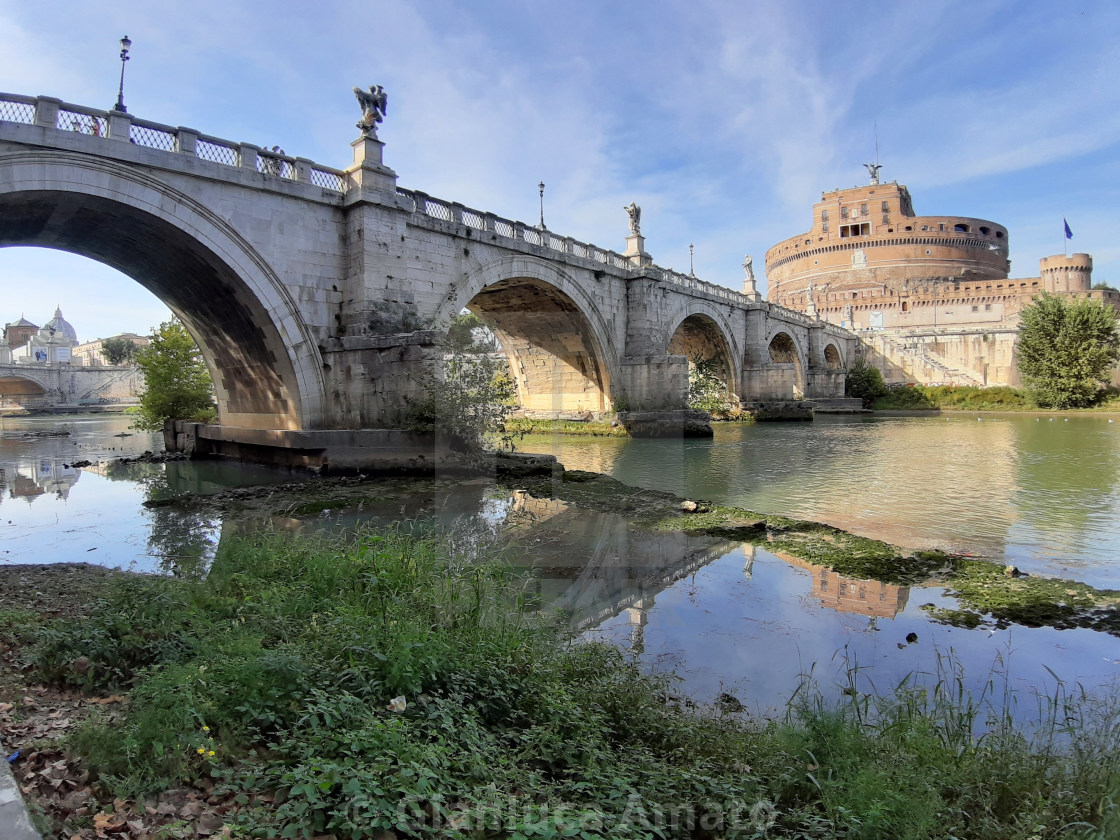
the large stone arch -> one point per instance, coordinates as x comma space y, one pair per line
267, 371
708, 325
560, 351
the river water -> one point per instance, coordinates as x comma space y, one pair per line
724, 617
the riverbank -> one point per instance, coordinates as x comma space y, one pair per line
403, 685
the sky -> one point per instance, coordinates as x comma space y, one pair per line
723, 120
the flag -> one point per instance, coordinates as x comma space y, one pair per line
1069, 233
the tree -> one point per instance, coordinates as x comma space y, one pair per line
118, 351
177, 383
1067, 349
865, 381
468, 389
706, 389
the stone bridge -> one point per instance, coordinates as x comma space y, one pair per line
42, 385
316, 293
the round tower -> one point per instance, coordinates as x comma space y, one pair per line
1061, 273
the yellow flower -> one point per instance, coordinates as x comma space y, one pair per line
206, 729
211, 753
201, 750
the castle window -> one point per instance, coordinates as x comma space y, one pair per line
824, 216
976, 309
863, 210
959, 228
987, 307
909, 227
885, 207
843, 212
925, 227
999, 234
985, 230
905, 306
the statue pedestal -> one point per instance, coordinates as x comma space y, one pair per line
368, 171
636, 250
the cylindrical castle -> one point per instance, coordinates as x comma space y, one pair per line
867, 240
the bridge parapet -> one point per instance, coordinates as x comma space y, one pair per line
48, 112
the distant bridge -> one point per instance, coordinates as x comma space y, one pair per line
42, 385
316, 293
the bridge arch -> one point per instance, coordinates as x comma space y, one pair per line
559, 348
20, 384
266, 369
832, 358
785, 354
700, 328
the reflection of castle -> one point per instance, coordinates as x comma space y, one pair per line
869, 264
866, 597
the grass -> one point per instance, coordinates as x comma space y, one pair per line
957, 398
591, 428
973, 398
393, 683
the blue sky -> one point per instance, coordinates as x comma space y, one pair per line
723, 120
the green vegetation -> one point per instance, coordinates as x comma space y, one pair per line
956, 398
594, 428
707, 390
468, 391
119, 351
177, 383
1067, 350
864, 381
392, 684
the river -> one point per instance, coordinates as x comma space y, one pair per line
725, 618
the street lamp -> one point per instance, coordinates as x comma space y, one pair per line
125, 44
691, 271
540, 186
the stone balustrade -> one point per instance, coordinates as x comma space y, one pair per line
49, 112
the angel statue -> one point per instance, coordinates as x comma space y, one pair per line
635, 214
748, 268
873, 171
374, 107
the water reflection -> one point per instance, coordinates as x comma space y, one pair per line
1043, 495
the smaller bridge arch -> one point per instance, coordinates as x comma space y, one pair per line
560, 351
700, 329
787, 360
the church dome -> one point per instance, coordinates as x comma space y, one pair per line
58, 328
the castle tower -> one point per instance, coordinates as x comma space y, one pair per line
1061, 273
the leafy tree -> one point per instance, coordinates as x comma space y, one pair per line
118, 351
706, 389
865, 381
468, 389
177, 383
1067, 349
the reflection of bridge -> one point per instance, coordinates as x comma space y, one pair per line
315, 293
627, 566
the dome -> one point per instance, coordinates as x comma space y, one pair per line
58, 328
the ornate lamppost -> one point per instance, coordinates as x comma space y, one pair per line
125, 44
540, 186
691, 272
